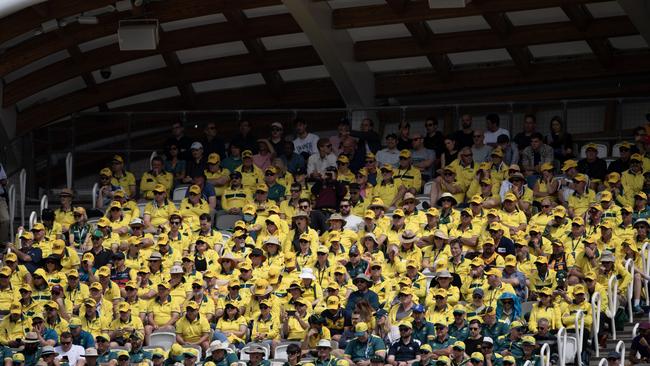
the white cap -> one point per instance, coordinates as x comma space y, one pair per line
276, 124
91, 352
136, 221
176, 269
196, 145
488, 340
324, 343
307, 273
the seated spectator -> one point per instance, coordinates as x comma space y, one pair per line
510, 150
293, 161
305, 142
329, 191
390, 154
158, 210
623, 162
320, 161
265, 154
534, 156
364, 346
106, 189
405, 350
404, 139
215, 175
592, 165
174, 164
522, 139
68, 351
480, 151
157, 175
122, 178
493, 131
641, 344
424, 158
560, 140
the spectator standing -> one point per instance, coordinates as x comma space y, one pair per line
174, 163
305, 143
423, 157
179, 139
493, 131
390, 154
233, 161
328, 191
245, 138
480, 151
592, 165
212, 143
465, 136
292, 161
522, 139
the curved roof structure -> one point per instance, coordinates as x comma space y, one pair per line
298, 53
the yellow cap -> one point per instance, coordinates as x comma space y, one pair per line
246, 154
214, 158
405, 154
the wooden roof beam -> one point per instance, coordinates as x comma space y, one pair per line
171, 41
272, 78
486, 39
418, 83
39, 115
165, 11
500, 23
600, 46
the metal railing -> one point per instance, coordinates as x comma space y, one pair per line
629, 266
595, 324
545, 355
620, 348
612, 299
562, 340
12, 209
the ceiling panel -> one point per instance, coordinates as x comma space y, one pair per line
52, 92
399, 64
560, 49
193, 22
605, 9
131, 67
145, 97
628, 42
233, 82
285, 41
265, 11
478, 57
36, 65
379, 32
304, 73
211, 51
339, 4
461, 24
537, 16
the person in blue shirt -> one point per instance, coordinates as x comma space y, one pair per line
363, 292
79, 336
28, 255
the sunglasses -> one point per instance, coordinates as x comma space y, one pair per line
304, 207
403, 329
174, 222
268, 175
66, 343
474, 328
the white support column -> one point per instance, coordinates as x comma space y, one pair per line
354, 80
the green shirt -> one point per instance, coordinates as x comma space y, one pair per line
106, 357
459, 333
329, 362
535, 360
276, 192
437, 344
505, 343
495, 331
424, 333
358, 351
140, 355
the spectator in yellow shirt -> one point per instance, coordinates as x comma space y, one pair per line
121, 177
193, 329
157, 175
156, 212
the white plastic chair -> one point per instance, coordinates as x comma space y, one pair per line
32, 219
179, 193
44, 202
601, 148
95, 193
612, 306
226, 222
527, 307
427, 188
153, 155
596, 305
422, 201
629, 266
163, 340
281, 352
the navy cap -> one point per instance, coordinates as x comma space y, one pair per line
419, 308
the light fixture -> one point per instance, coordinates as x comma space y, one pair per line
87, 20
445, 4
123, 5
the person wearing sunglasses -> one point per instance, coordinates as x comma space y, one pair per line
320, 161
405, 350
68, 351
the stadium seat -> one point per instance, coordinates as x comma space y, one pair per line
179, 193
163, 340
602, 151
226, 222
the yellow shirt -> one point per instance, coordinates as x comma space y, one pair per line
125, 181
386, 191
133, 322
213, 176
7, 297
409, 178
580, 203
149, 181
159, 214
191, 212
250, 179
235, 198
270, 327
192, 330
10, 331
162, 311
95, 326
232, 326
64, 218
552, 314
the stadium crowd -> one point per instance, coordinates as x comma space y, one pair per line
421, 251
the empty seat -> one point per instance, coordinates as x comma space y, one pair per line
179, 193
226, 222
163, 340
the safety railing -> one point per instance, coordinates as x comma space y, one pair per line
595, 315
579, 324
44, 203
645, 255
23, 193
562, 340
545, 355
612, 299
95, 191
629, 266
68, 169
33, 217
603, 362
620, 348
12, 209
